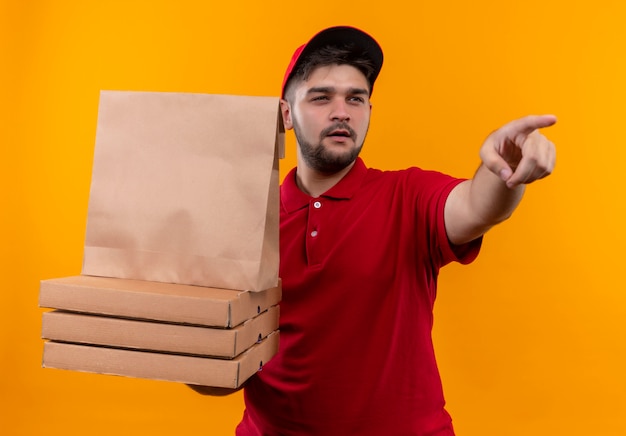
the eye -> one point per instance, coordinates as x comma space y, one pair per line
320, 98
356, 99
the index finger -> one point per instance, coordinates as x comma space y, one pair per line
526, 125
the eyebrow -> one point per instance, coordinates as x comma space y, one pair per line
330, 90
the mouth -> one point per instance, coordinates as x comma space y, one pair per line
340, 134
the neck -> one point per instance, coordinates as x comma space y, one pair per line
315, 183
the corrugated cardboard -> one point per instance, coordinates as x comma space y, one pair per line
155, 336
156, 301
187, 369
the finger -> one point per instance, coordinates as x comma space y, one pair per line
526, 125
526, 172
534, 166
495, 163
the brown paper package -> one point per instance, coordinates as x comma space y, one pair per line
185, 189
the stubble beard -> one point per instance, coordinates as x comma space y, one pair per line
319, 158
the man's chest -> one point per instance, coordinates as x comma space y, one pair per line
347, 237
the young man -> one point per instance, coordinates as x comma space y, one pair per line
360, 253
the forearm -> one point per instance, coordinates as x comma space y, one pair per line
490, 200
478, 204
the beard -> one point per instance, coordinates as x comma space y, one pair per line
319, 158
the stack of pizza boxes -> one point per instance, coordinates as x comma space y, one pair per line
180, 271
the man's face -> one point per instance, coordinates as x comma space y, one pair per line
330, 115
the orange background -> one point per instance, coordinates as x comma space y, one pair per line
530, 338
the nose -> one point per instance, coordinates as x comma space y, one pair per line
339, 111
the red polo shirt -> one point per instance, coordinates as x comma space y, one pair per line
359, 266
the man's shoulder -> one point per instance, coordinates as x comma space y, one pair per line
408, 173
408, 183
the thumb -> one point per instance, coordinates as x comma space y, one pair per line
495, 163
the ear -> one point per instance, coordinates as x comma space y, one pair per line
285, 109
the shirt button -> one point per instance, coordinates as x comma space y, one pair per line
314, 233
317, 204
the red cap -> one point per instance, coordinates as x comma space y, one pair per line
361, 41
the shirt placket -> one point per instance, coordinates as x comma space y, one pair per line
314, 231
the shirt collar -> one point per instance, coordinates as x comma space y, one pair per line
292, 198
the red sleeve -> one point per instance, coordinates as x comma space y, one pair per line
432, 189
